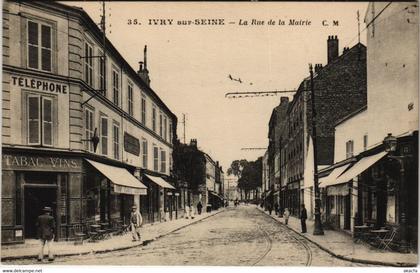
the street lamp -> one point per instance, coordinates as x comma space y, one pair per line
390, 144
317, 211
94, 139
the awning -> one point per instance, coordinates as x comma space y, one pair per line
160, 181
124, 182
331, 178
215, 194
359, 167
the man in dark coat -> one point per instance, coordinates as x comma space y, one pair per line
46, 225
199, 207
303, 216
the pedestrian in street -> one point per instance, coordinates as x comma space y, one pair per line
286, 215
46, 225
135, 221
303, 216
199, 207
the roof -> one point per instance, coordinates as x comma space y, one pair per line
349, 116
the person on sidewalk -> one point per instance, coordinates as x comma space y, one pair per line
270, 208
286, 215
135, 221
191, 211
276, 208
46, 225
303, 216
199, 207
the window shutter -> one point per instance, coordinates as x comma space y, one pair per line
47, 121
34, 129
104, 135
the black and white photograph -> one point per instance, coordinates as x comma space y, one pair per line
268, 134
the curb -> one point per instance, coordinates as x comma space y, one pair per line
101, 251
342, 257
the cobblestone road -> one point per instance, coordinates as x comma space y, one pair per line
238, 236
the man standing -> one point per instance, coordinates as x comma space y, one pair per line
199, 207
46, 224
303, 216
136, 221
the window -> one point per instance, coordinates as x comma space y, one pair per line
165, 128
154, 118
365, 142
144, 153
116, 141
116, 86
88, 129
101, 74
349, 148
160, 124
130, 99
40, 122
155, 158
104, 135
88, 64
170, 132
39, 46
162, 161
143, 109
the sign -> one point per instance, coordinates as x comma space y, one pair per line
18, 233
40, 85
131, 144
129, 190
169, 193
39, 162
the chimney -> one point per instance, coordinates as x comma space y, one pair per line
193, 142
318, 67
143, 72
345, 49
284, 100
332, 45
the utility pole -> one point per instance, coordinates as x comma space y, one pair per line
318, 224
183, 122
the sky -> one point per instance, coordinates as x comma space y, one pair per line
189, 64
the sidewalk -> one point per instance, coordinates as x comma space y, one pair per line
149, 233
341, 245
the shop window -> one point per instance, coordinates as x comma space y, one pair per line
130, 99
88, 64
40, 120
89, 129
116, 87
116, 141
162, 161
143, 109
154, 119
63, 200
155, 158
144, 155
39, 46
390, 210
104, 135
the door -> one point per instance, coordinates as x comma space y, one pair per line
36, 198
347, 211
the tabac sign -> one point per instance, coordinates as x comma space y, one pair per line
26, 162
40, 85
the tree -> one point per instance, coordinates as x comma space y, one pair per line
248, 173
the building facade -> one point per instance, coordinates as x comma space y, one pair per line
383, 184
66, 87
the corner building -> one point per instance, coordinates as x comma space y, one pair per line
59, 91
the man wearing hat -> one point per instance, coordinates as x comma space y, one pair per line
136, 221
46, 225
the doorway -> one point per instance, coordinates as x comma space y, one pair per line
36, 198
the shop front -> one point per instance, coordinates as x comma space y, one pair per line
32, 180
292, 199
161, 202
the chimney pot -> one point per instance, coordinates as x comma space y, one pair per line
332, 48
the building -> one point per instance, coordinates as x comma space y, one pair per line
276, 136
383, 184
82, 132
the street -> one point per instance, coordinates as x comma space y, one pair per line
237, 236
